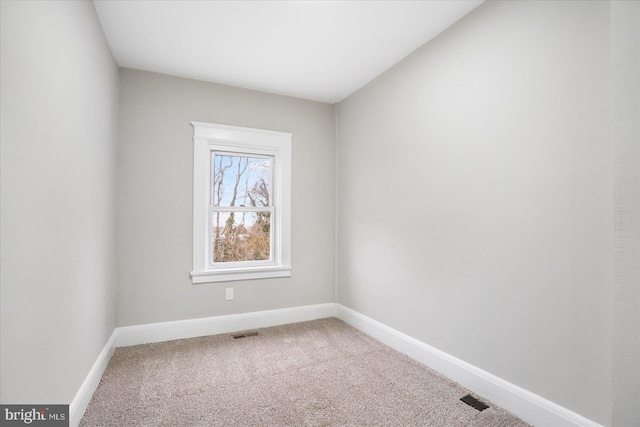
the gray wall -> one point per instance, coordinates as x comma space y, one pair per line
155, 191
59, 98
475, 198
625, 70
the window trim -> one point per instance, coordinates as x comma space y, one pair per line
210, 137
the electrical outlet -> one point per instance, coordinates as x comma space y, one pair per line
229, 294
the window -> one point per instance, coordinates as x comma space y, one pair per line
241, 203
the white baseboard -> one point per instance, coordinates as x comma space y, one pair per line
90, 383
167, 331
530, 407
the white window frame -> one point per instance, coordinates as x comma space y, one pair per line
209, 138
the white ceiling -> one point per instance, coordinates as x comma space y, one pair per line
318, 50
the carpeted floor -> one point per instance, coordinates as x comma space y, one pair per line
318, 373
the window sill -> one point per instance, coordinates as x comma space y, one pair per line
232, 274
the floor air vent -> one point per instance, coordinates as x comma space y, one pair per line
245, 335
473, 402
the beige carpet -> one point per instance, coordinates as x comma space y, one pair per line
318, 373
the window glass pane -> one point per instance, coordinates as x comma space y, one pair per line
241, 236
241, 180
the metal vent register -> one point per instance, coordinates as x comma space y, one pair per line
474, 403
246, 334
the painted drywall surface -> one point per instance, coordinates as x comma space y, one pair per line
155, 191
59, 100
475, 198
625, 73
